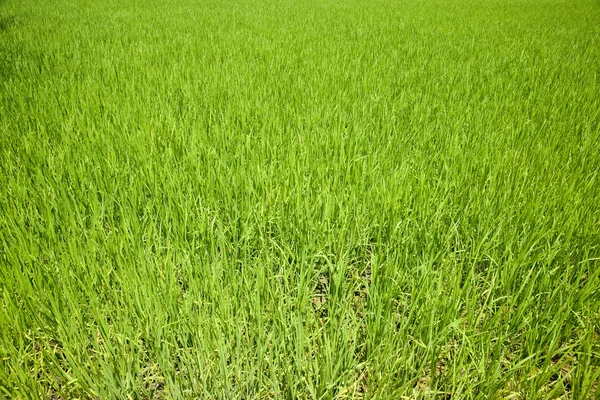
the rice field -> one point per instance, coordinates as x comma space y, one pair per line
335, 199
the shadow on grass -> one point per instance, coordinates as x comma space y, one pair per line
7, 22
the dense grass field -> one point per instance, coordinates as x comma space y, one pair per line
300, 199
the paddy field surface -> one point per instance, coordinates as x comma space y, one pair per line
335, 199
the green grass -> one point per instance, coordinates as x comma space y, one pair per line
300, 199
